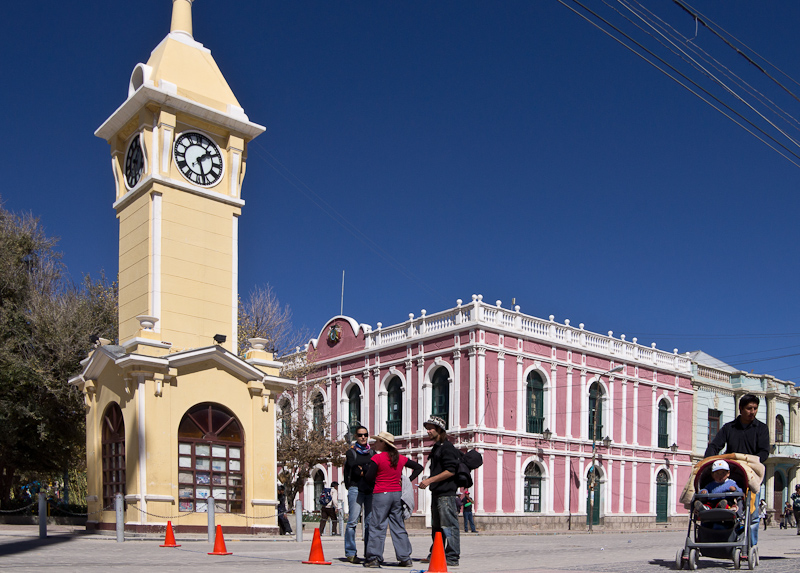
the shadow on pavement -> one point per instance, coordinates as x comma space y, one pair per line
29, 544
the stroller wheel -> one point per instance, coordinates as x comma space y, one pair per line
693, 559
737, 558
751, 558
679, 559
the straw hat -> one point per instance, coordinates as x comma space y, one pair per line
385, 437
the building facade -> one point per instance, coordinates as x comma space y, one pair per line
533, 396
718, 388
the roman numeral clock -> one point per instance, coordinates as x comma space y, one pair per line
198, 159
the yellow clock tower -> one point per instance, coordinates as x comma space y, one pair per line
175, 420
178, 147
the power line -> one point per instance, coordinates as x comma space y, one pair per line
787, 151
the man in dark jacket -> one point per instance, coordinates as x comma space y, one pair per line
443, 461
744, 435
359, 497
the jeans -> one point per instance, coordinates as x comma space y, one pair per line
387, 511
355, 502
468, 522
754, 521
444, 518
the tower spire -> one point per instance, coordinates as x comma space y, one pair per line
181, 17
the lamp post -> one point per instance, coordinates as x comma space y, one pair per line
593, 476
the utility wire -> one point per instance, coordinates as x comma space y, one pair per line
697, 16
681, 74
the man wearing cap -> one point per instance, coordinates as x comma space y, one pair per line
443, 461
796, 506
744, 435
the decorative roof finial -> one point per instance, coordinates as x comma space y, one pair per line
181, 17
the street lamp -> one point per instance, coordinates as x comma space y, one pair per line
593, 476
547, 434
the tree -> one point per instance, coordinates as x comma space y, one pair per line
45, 327
304, 436
262, 316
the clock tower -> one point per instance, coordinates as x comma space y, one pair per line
176, 421
178, 154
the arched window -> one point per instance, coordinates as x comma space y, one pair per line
662, 497
318, 412
354, 398
595, 409
210, 460
535, 396
663, 424
286, 419
113, 447
394, 422
533, 489
441, 395
779, 428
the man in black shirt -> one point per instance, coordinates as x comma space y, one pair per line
443, 460
745, 435
358, 498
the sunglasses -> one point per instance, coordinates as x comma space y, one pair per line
361, 435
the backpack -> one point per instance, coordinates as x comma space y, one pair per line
469, 461
325, 497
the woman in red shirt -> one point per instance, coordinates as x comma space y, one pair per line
384, 470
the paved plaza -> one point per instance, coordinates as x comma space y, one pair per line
72, 550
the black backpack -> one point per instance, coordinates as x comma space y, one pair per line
469, 461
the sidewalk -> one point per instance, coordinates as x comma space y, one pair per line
598, 552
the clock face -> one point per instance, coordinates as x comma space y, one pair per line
198, 159
134, 162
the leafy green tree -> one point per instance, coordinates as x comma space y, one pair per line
45, 326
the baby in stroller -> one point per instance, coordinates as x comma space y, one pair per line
721, 483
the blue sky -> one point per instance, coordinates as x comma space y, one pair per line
502, 148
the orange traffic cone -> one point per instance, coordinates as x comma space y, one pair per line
170, 540
438, 560
219, 543
316, 557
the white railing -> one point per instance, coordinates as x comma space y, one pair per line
479, 313
713, 374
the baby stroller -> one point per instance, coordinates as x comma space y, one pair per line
717, 532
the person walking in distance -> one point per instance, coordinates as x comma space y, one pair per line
467, 504
328, 501
443, 461
284, 528
359, 498
796, 507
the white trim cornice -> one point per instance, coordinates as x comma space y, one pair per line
165, 97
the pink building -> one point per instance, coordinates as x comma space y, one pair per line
523, 392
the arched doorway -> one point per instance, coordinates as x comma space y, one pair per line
592, 513
319, 485
533, 489
662, 497
778, 495
113, 447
